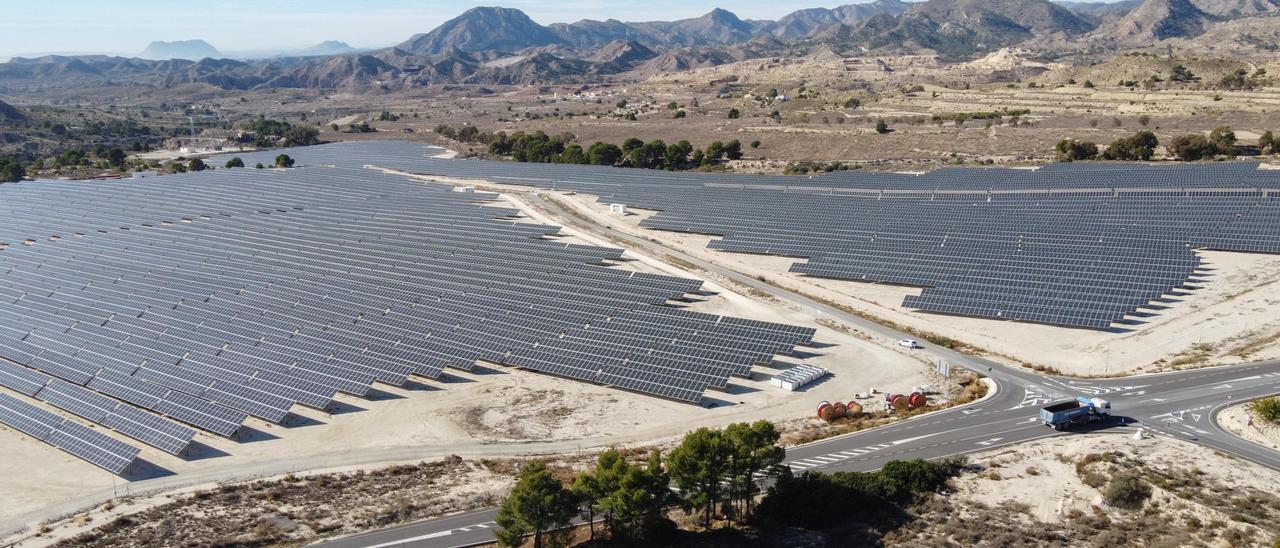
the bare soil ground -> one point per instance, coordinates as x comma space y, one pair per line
287, 510
1051, 493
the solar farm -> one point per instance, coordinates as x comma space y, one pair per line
162, 306
166, 310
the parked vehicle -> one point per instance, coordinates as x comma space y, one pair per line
1082, 410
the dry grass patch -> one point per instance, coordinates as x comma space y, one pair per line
297, 509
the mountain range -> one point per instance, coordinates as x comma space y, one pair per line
503, 46
195, 50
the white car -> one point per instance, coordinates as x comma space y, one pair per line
910, 343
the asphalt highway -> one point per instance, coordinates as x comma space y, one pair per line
1182, 405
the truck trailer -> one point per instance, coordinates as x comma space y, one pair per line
1082, 410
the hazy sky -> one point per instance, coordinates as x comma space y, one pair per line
126, 26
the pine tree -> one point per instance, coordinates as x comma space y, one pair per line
538, 503
697, 466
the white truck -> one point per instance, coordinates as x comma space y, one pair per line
1082, 410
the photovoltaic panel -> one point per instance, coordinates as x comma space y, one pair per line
20, 379
201, 413
27, 418
95, 447
150, 429
80, 401
100, 449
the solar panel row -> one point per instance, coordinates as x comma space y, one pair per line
95, 447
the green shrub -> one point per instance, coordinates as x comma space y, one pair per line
939, 340
1267, 409
11, 171
1094, 479
1138, 147
1127, 490
1070, 150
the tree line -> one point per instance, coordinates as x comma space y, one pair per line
715, 474
655, 154
1141, 146
539, 147
270, 133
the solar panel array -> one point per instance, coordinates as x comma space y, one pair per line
1078, 245
155, 305
100, 449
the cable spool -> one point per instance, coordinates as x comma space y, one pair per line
918, 399
853, 410
824, 410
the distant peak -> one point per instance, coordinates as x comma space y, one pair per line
194, 50
721, 13
493, 9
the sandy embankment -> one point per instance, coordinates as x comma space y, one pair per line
1044, 475
1236, 420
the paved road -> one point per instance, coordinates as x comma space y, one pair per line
463, 529
1183, 405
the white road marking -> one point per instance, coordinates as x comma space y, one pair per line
989, 442
439, 534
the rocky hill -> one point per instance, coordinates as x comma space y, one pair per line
1156, 20
810, 22
967, 27
10, 113
1100, 9
483, 28
717, 28
623, 54
193, 50
1234, 9
589, 34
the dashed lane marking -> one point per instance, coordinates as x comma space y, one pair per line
439, 534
